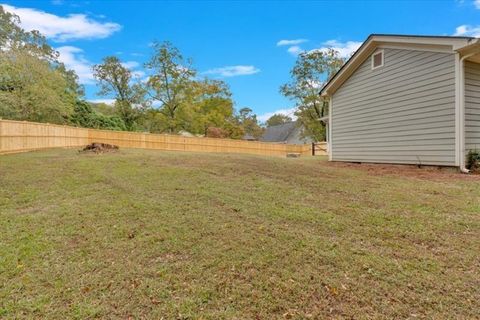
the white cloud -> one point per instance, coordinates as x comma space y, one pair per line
106, 101
467, 31
130, 64
292, 42
156, 103
295, 50
477, 4
233, 71
288, 112
345, 49
61, 29
73, 59
139, 74
294, 47
315, 84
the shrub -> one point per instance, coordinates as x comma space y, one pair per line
473, 160
214, 132
85, 116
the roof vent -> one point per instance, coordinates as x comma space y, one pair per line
377, 60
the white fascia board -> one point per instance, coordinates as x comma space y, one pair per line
353, 64
416, 47
436, 44
453, 43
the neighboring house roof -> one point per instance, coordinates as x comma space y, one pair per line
436, 43
289, 132
278, 133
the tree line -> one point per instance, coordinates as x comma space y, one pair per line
36, 86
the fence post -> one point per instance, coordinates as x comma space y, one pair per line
313, 148
1, 136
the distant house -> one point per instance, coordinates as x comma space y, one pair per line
406, 99
290, 133
185, 133
249, 137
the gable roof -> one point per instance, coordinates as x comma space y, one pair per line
435, 43
279, 133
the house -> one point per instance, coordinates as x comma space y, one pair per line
289, 133
249, 137
406, 99
185, 133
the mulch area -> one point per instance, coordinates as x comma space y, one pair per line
423, 172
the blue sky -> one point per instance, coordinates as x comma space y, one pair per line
250, 45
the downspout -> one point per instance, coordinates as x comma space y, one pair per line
330, 127
463, 169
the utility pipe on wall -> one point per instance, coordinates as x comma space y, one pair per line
463, 169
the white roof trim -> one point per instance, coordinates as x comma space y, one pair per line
437, 44
325, 119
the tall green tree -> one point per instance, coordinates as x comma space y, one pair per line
248, 121
117, 80
171, 84
34, 85
277, 119
31, 90
212, 107
311, 70
13, 37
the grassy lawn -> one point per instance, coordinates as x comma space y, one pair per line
146, 234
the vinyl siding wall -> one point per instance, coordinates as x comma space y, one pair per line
472, 106
403, 112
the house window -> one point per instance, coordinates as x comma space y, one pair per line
377, 60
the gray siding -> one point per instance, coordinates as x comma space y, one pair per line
403, 112
472, 106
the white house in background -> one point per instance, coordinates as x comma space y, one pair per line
406, 99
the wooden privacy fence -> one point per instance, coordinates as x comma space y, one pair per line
319, 149
18, 136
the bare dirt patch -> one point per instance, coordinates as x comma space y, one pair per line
97, 147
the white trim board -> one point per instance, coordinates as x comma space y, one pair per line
444, 44
330, 127
415, 48
457, 110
